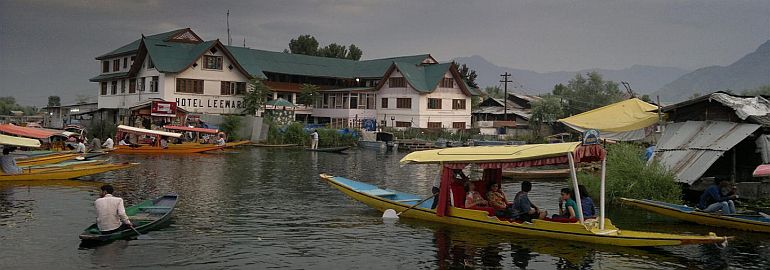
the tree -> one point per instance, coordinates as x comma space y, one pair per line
54, 101
334, 50
354, 53
547, 110
494, 91
646, 98
308, 94
468, 75
586, 93
82, 99
8, 104
759, 91
255, 99
304, 44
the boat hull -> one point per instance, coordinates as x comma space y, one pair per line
155, 213
538, 228
741, 222
329, 149
64, 173
48, 159
143, 149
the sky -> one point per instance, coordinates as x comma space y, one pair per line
48, 47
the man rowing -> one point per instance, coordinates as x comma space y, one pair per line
110, 213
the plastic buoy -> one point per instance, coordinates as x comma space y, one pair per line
390, 213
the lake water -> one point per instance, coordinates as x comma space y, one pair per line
266, 208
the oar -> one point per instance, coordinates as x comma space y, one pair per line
140, 235
389, 214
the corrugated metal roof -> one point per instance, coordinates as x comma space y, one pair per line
688, 149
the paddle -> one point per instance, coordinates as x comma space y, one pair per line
389, 214
140, 235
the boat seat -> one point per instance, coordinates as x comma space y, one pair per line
378, 192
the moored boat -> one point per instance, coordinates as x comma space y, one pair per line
186, 148
145, 216
493, 159
329, 149
64, 173
757, 223
47, 159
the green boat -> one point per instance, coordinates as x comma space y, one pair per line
146, 216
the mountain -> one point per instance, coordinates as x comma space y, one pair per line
643, 79
749, 72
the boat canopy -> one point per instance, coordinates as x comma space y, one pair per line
193, 129
28, 132
627, 120
16, 141
508, 156
137, 130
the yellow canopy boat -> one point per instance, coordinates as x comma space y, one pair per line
64, 173
493, 159
156, 149
48, 159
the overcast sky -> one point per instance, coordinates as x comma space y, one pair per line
48, 47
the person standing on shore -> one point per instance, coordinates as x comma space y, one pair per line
110, 212
314, 142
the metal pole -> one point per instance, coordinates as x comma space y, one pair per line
602, 195
575, 185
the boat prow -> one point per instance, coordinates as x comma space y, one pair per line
755, 223
382, 199
65, 172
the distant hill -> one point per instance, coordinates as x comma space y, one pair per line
643, 79
749, 72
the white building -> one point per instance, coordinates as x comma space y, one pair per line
207, 77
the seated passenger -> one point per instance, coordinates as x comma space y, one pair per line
523, 208
567, 206
712, 199
589, 209
473, 198
496, 197
8, 162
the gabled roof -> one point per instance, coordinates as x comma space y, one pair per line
134, 46
424, 78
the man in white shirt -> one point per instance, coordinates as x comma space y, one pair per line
108, 144
110, 213
314, 144
81, 147
7, 162
221, 141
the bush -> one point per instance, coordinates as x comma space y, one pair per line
628, 176
230, 126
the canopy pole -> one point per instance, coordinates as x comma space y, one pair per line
575, 189
602, 195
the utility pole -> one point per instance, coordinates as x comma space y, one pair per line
505, 82
229, 40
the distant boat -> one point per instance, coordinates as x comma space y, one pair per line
329, 149
145, 216
757, 223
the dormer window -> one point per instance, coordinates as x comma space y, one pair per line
150, 64
447, 83
397, 82
212, 62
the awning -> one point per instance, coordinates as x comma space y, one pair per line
688, 149
147, 131
27, 132
16, 141
492, 154
193, 129
109, 76
622, 121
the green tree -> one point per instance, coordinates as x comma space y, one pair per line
308, 94
759, 91
354, 52
547, 110
54, 101
231, 125
334, 50
586, 93
8, 104
256, 98
304, 44
468, 75
646, 98
494, 91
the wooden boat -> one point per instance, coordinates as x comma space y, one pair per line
330, 149
238, 143
69, 164
49, 159
494, 159
153, 149
64, 173
145, 216
755, 223
274, 145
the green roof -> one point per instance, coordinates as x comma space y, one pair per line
423, 78
134, 46
175, 56
109, 76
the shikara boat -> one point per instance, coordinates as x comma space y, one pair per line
329, 149
755, 223
145, 216
47, 159
494, 159
64, 173
187, 148
69, 164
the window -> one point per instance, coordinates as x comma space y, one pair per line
154, 84
459, 125
189, 86
434, 124
404, 103
114, 89
141, 84
458, 104
132, 86
104, 87
447, 83
384, 103
212, 62
125, 62
105, 66
403, 124
399, 82
116, 64
434, 103
233, 88
354, 101
150, 64
123, 86
132, 59
240, 88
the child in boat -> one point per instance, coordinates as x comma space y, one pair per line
523, 208
589, 209
567, 206
473, 198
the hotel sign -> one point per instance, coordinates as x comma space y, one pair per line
163, 109
209, 103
